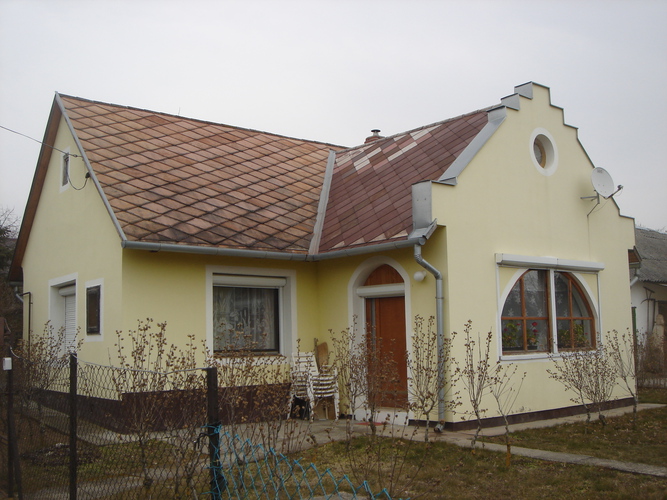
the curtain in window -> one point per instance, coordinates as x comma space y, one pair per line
245, 318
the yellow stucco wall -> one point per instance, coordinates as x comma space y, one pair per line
72, 238
504, 204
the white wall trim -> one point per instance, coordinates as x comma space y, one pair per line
357, 293
94, 337
593, 300
56, 305
288, 318
534, 262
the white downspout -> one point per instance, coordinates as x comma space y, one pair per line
440, 325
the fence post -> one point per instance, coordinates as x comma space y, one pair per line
13, 459
218, 483
73, 458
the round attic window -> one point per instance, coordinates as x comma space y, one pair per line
543, 151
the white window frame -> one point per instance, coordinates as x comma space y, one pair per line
95, 337
575, 268
284, 279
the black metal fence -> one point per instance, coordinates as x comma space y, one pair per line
79, 430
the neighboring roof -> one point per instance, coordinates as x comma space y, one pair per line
652, 248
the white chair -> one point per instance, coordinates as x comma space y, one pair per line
311, 384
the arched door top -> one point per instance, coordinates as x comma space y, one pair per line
383, 275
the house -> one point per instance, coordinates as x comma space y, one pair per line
489, 216
649, 280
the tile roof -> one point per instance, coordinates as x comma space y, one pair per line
176, 180
370, 199
171, 179
652, 248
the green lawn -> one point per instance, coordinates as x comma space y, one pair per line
643, 441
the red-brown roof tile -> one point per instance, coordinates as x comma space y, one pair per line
201, 181
176, 180
370, 196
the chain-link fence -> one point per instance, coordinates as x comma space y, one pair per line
73, 429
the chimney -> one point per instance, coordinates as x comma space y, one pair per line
376, 136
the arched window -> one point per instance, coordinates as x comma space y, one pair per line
528, 321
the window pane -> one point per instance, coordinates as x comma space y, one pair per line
513, 303
512, 335
564, 334
576, 326
537, 335
245, 318
562, 303
582, 334
535, 293
93, 309
579, 308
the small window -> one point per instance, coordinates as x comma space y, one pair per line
543, 151
93, 303
65, 170
247, 316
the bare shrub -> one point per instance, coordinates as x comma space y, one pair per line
426, 367
476, 374
384, 456
161, 389
45, 368
504, 391
590, 374
622, 350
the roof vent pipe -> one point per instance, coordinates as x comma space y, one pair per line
376, 136
440, 328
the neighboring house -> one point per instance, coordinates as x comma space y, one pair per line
487, 217
649, 280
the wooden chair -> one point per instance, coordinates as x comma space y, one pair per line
312, 384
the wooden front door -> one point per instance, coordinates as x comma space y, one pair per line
385, 327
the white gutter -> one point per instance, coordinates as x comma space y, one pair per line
261, 254
440, 325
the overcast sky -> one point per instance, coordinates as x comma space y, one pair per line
332, 71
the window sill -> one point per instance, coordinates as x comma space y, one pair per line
531, 356
524, 355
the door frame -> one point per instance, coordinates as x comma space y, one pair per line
357, 294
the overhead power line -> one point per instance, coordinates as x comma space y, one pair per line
40, 142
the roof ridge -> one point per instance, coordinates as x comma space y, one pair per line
409, 131
647, 229
207, 122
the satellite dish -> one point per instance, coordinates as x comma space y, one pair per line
602, 182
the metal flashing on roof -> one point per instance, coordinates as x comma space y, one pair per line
512, 101
496, 117
322, 206
525, 90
